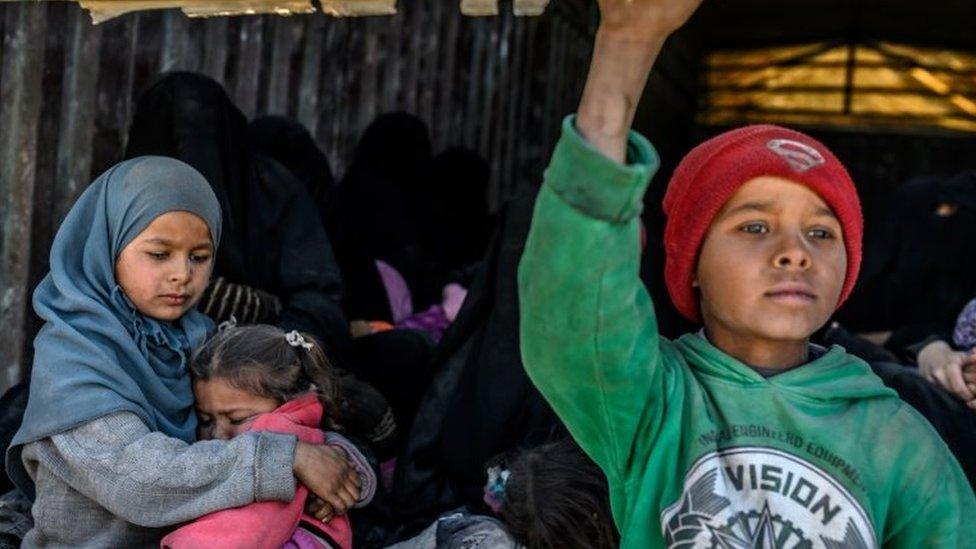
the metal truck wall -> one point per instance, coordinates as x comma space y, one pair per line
67, 90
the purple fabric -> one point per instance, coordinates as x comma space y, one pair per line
303, 539
454, 296
434, 321
964, 336
397, 291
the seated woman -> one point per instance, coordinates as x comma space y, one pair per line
276, 260
367, 220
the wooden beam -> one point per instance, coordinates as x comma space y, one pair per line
479, 8
103, 10
353, 8
529, 7
20, 105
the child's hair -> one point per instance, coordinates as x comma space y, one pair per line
556, 497
265, 361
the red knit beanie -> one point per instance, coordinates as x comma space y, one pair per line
711, 173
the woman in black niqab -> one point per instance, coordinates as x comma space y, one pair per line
378, 214
273, 237
459, 224
291, 144
920, 262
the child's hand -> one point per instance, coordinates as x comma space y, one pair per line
317, 508
630, 36
640, 18
327, 473
969, 376
943, 366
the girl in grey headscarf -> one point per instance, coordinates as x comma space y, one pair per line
105, 449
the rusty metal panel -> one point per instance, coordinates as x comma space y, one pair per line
20, 104
286, 36
77, 127
308, 87
249, 65
215, 48
68, 100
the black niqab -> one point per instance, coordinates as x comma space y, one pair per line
458, 224
288, 142
273, 237
378, 214
920, 262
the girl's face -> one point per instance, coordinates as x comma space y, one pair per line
165, 269
225, 411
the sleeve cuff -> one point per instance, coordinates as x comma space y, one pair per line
274, 464
596, 185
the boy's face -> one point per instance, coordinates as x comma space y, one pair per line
772, 265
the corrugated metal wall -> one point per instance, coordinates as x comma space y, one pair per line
67, 90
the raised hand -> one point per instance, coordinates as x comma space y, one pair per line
628, 40
641, 18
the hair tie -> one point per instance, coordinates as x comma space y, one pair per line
227, 324
296, 339
495, 488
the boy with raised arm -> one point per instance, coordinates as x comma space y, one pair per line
744, 434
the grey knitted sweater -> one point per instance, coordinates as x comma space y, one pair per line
114, 483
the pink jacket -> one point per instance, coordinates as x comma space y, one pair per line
269, 524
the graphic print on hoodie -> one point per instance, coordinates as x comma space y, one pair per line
700, 450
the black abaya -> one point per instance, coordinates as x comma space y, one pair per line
273, 236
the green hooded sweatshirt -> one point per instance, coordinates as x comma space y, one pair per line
699, 449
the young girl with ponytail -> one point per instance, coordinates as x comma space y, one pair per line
260, 378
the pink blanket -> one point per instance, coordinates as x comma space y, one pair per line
267, 524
